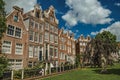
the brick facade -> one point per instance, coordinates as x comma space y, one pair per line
34, 37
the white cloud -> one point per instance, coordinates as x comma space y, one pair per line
26, 4
86, 11
114, 28
94, 33
117, 4
58, 12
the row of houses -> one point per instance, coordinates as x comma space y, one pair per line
34, 37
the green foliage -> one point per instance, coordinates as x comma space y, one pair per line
3, 64
77, 60
103, 44
2, 18
18, 74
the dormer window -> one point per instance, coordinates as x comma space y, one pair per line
37, 14
16, 18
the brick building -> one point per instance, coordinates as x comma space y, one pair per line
14, 40
81, 45
32, 37
66, 47
43, 35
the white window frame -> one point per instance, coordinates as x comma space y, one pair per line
46, 36
36, 34
19, 47
31, 55
56, 53
52, 38
46, 26
36, 50
7, 45
41, 35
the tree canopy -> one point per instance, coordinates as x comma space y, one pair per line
2, 18
101, 48
3, 59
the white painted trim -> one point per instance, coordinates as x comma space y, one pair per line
10, 13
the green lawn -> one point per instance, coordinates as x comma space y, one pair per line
89, 74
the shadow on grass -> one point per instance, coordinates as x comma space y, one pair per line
109, 71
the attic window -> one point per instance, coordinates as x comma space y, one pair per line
37, 14
16, 18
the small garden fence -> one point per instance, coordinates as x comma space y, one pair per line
30, 73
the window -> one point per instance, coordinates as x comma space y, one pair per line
17, 32
52, 28
51, 38
36, 51
18, 48
36, 25
46, 26
56, 30
30, 51
6, 47
31, 35
56, 53
36, 36
56, 39
40, 38
10, 30
16, 18
14, 31
46, 36
61, 55
32, 23
16, 63
40, 53
51, 51
41, 27
37, 14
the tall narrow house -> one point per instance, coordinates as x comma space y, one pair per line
14, 40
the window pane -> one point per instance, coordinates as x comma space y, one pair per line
6, 47
18, 49
36, 51
36, 36
31, 51
31, 35
51, 37
32, 23
46, 26
10, 30
51, 51
40, 38
15, 18
18, 32
46, 36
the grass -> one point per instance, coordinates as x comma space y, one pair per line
89, 74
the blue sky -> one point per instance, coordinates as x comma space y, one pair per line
87, 17
81, 27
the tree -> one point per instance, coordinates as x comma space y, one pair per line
3, 60
2, 20
3, 64
77, 60
105, 44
